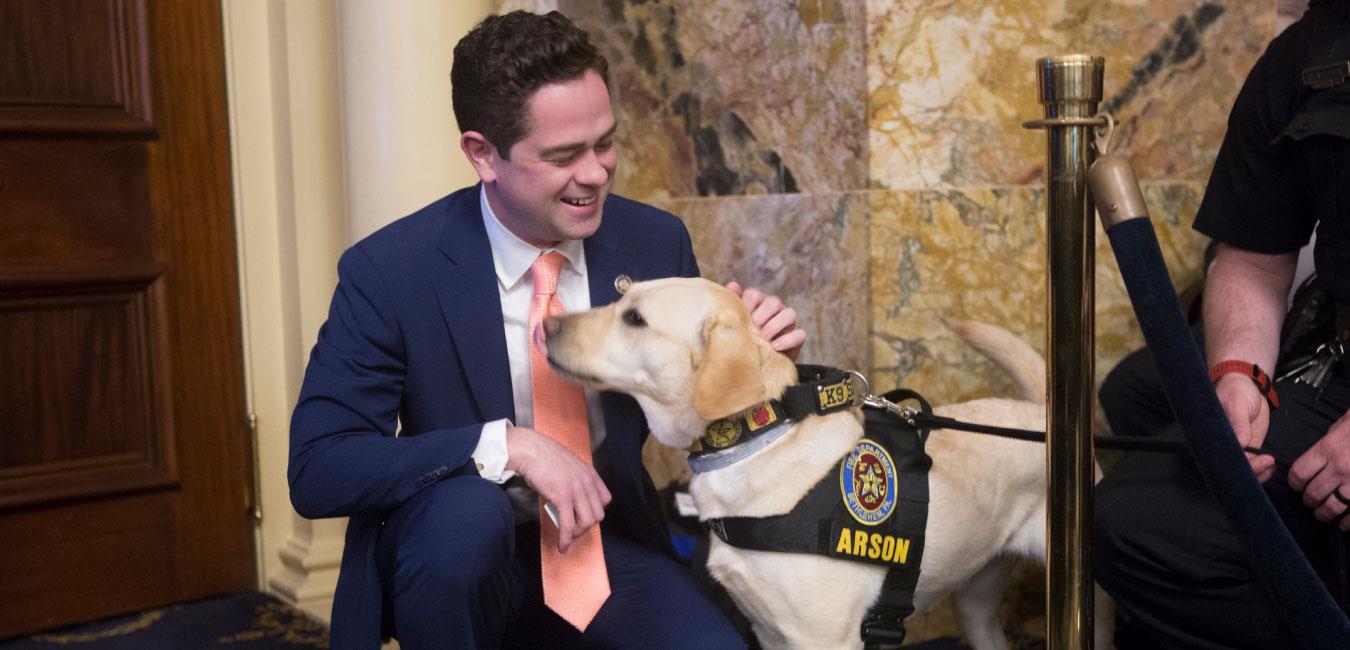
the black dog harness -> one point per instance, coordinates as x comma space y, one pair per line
872, 507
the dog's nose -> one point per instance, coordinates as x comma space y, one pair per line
551, 325
547, 328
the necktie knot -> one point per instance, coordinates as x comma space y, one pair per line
544, 273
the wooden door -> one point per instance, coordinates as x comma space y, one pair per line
124, 450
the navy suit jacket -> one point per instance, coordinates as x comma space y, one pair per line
415, 336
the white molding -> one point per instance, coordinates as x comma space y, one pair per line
309, 576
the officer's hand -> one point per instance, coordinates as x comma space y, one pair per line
777, 323
570, 484
1324, 469
1249, 414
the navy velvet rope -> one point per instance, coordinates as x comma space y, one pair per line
1276, 559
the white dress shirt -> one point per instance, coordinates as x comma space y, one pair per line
512, 258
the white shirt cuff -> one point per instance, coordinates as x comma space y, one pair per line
490, 454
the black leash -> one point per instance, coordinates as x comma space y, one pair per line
925, 421
1164, 444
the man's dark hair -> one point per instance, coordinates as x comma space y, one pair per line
504, 60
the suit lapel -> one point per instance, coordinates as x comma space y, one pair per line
467, 293
605, 261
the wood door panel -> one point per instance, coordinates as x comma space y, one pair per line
73, 203
74, 66
87, 396
121, 365
66, 565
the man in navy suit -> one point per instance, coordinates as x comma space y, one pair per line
427, 336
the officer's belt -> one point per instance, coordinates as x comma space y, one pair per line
836, 518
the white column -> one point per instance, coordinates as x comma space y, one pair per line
285, 134
399, 133
283, 68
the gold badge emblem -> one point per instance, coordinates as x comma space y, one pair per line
622, 283
722, 434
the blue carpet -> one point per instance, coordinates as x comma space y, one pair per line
247, 621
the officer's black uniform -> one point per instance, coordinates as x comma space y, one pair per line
1164, 551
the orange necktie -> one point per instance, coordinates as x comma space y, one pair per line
575, 584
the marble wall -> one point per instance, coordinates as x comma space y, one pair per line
865, 158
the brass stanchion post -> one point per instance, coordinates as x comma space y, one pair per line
1070, 89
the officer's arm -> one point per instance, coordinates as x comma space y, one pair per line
1244, 307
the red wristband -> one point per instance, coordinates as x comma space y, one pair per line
1250, 371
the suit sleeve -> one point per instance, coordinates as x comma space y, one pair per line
688, 265
344, 458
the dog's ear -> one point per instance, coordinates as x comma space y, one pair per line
728, 379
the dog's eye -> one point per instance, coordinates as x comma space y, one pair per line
633, 318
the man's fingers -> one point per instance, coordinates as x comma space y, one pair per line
566, 524
1318, 489
1241, 430
597, 504
1328, 507
770, 307
605, 496
1263, 466
790, 340
601, 490
1330, 510
735, 287
1260, 425
1306, 467
752, 297
585, 510
778, 323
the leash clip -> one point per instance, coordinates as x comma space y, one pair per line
860, 393
905, 413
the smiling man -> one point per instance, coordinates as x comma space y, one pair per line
554, 184
511, 508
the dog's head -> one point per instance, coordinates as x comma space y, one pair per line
685, 348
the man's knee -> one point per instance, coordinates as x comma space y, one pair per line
1132, 396
1124, 531
1155, 517
453, 535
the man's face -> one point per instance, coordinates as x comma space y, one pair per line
554, 186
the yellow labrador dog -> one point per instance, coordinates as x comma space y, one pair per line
687, 350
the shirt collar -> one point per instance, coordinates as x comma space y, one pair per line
513, 256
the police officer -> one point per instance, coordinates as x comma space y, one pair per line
1165, 552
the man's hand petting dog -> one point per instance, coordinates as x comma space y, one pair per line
560, 478
776, 323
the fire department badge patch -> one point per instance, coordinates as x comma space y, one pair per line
867, 481
722, 434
